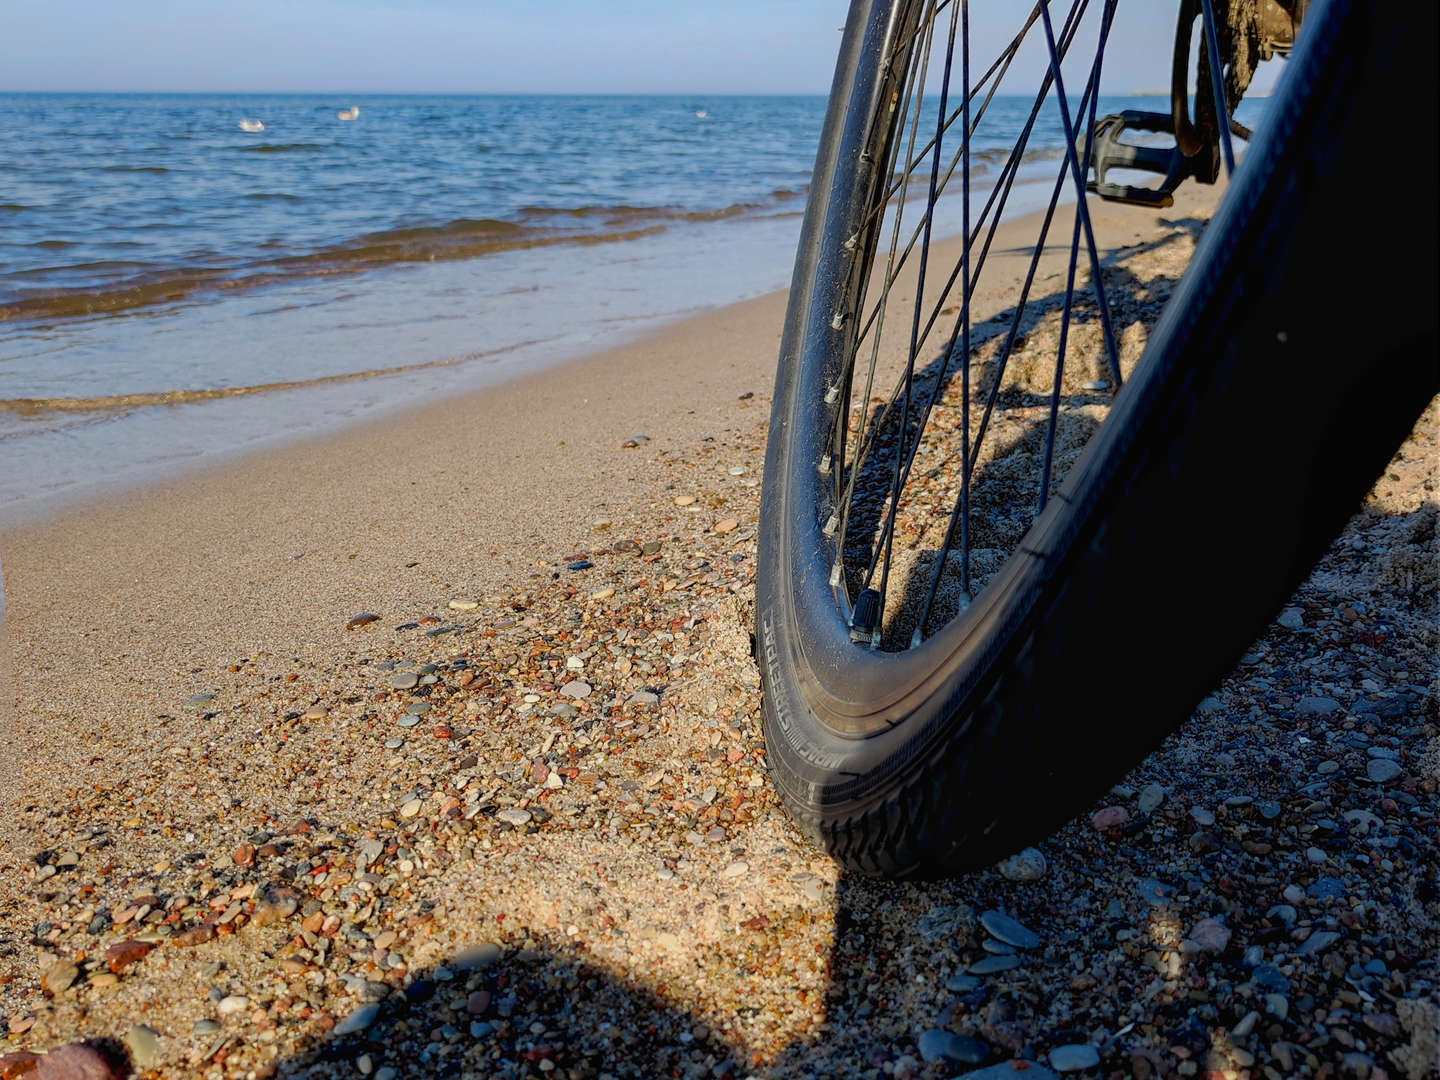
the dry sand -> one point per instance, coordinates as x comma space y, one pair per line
201, 756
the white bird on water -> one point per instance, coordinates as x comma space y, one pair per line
701, 113
252, 125
348, 114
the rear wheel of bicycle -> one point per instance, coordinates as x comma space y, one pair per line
988, 582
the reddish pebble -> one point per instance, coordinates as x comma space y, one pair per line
17, 1064
443, 732
1110, 817
196, 935
245, 855
73, 1062
429, 620
123, 954
363, 619
735, 754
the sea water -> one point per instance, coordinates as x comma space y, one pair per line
176, 287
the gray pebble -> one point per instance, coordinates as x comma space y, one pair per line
1006, 1070
408, 720
1382, 771
476, 957
1074, 1057
206, 1027
1008, 930
1028, 865
1151, 796
514, 817
962, 984
1317, 942
992, 965
1292, 619
405, 680
144, 1046
1318, 706
937, 1044
357, 1021
576, 688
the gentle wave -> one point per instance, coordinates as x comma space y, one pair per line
144, 399
283, 148
462, 238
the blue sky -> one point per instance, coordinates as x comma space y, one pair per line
460, 46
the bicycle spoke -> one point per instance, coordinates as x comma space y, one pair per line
1082, 204
1217, 85
919, 300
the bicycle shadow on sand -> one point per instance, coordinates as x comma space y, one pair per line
1116, 911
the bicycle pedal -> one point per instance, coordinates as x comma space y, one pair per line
1108, 152
865, 619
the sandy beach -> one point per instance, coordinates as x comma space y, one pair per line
432, 748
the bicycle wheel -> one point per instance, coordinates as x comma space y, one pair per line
962, 640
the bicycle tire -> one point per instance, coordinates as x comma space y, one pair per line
949, 756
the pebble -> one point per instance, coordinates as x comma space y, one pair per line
1317, 942
408, 720
1008, 930
199, 701
684, 500
962, 984
1202, 817
1109, 818
476, 957
411, 808
59, 977
144, 1046
735, 869
206, 1027
576, 688
937, 1044
992, 965
1151, 796
1317, 706
1210, 935
357, 1021
74, 1062
405, 680
1292, 619
514, 817
363, 619
232, 1003
1094, 386
1074, 1057
1028, 865
1018, 1069
463, 604
1383, 771
643, 697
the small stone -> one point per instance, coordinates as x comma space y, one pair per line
728, 525
196, 935
274, 907
59, 977
317, 713
992, 965
463, 604
1008, 930
1202, 817
1382, 771
1292, 619
1151, 796
1325, 888
411, 808
417, 708
74, 1062
514, 817
735, 869
1018, 1069
1028, 865
643, 697
144, 1046
123, 954
363, 619
200, 701
476, 957
937, 1044
1317, 706
408, 720
1210, 935
405, 680
1074, 1057
357, 1021
1317, 942
207, 1027
1210, 704
962, 984
684, 500
1094, 386
576, 688
1109, 818
232, 1004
